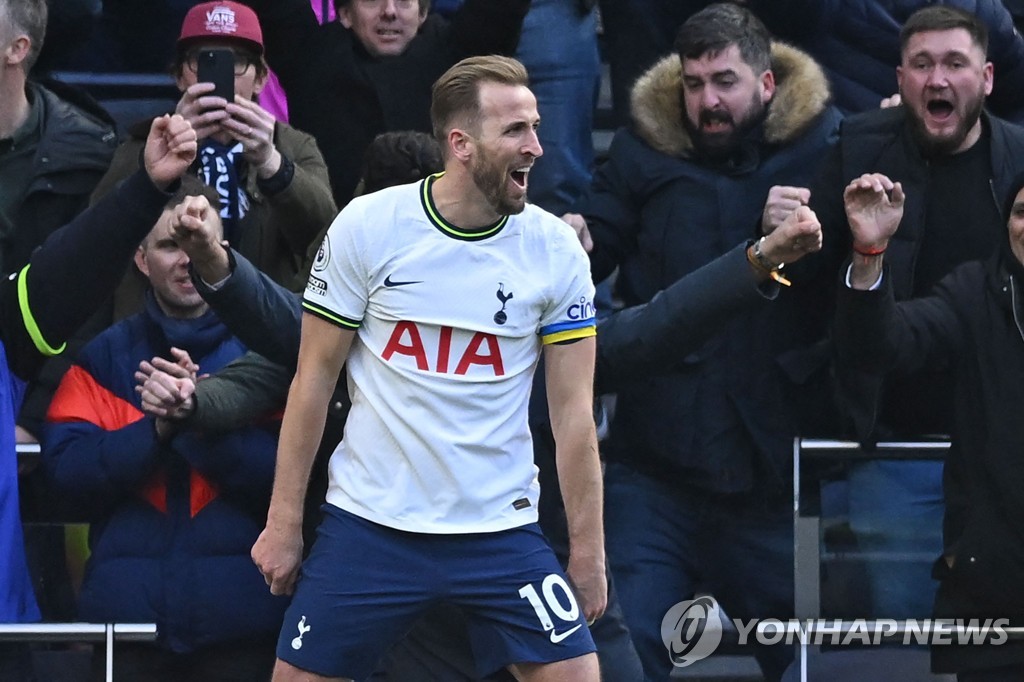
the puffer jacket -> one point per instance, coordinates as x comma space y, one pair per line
722, 418
172, 522
973, 319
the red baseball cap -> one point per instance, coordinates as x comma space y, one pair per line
222, 19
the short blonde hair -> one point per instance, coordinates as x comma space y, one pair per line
456, 94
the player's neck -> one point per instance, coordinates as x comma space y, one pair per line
459, 201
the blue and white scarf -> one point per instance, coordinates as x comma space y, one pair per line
220, 169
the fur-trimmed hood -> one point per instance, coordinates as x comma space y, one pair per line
801, 95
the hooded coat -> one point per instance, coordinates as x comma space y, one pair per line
723, 417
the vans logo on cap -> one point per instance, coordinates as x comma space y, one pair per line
221, 20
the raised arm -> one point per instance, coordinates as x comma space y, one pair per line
79, 265
874, 208
642, 340
260, 312
873, 333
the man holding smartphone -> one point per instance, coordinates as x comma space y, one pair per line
271, 179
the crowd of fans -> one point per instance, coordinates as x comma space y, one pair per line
770, 156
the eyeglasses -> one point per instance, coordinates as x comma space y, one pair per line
242, 61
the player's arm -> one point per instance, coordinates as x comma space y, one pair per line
322, 352
570, 385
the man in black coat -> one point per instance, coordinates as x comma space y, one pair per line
971, 322
55, 145
699, 477
953, 160
44, 301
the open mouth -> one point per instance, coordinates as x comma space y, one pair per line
715, 121
716, 126
519, 177
939, 108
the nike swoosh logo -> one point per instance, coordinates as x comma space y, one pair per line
388, 282
556, 637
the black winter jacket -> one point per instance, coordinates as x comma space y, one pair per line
881, 142
973, 320
77, 143
721, 418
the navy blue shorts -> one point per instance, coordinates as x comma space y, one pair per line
364, 585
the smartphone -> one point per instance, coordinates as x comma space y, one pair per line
217, 66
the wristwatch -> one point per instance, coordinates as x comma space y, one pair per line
760, 261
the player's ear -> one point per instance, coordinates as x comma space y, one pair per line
461, 144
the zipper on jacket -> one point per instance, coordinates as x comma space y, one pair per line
1015, 307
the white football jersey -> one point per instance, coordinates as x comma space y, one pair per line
450, 328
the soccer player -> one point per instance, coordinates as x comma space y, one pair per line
438, 298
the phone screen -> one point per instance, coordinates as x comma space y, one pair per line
217, 67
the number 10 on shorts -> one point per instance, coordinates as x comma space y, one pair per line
552, 602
